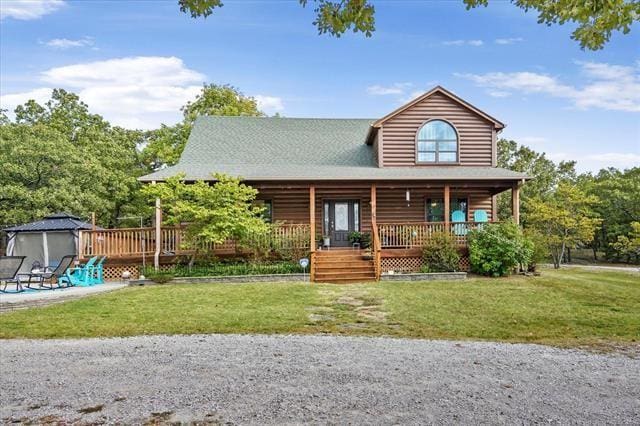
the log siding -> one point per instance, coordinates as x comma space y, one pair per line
291, 203
476, 134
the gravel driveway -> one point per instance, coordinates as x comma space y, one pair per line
318, 379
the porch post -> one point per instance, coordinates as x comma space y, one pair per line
156, 255
374, 231
447, 214
94, 249
374, 213
312, 230
515, 203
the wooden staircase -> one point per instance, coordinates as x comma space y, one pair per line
343, 266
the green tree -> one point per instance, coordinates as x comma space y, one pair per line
629, 245
595, 20
214, 213
619, 206
164, 146
565, 219
58, 156
545, 173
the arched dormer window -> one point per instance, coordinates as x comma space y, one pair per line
437, 143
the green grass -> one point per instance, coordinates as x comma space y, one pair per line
564, 308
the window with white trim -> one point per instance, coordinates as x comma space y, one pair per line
437, 143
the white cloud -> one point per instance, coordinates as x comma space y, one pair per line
499, 93
610, 87
28, 9
595, 162
394, 89
511, 40
11, 101
144, 71
65, 43
137, 92
269, 104
463, 42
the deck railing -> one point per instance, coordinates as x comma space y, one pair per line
135, 242
415, 234
124, 242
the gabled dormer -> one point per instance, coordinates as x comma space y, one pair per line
436, 129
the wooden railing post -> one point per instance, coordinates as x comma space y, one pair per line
156, 255
312, 230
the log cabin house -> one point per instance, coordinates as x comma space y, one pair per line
399, 178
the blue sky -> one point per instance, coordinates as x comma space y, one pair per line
137, 62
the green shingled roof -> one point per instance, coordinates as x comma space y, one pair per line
260, 148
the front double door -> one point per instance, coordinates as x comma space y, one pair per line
341, 217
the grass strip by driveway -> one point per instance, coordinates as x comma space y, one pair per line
564, 308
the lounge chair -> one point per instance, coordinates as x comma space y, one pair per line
459, 229
52, 275
480, 216
98, 271
82, 276
9, 272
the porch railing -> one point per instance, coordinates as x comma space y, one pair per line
416, 234
134, 242
131, 242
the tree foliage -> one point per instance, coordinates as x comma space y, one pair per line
595, 20
60, 157
497, 249
566, 218
545, 173
164, 146
213, 213
629, 245
619, 206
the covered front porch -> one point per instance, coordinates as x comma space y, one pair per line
311, 217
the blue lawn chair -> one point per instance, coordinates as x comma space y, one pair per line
82, 276
480, 216
460, 228
98, 271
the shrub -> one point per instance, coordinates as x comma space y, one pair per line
233, 267
540, 248
496, 249
440, 254
160, 277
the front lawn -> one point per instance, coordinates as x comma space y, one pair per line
564, 308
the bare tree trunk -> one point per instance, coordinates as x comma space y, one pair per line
561, 257
556, 258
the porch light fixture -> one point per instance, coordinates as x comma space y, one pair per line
408, 197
